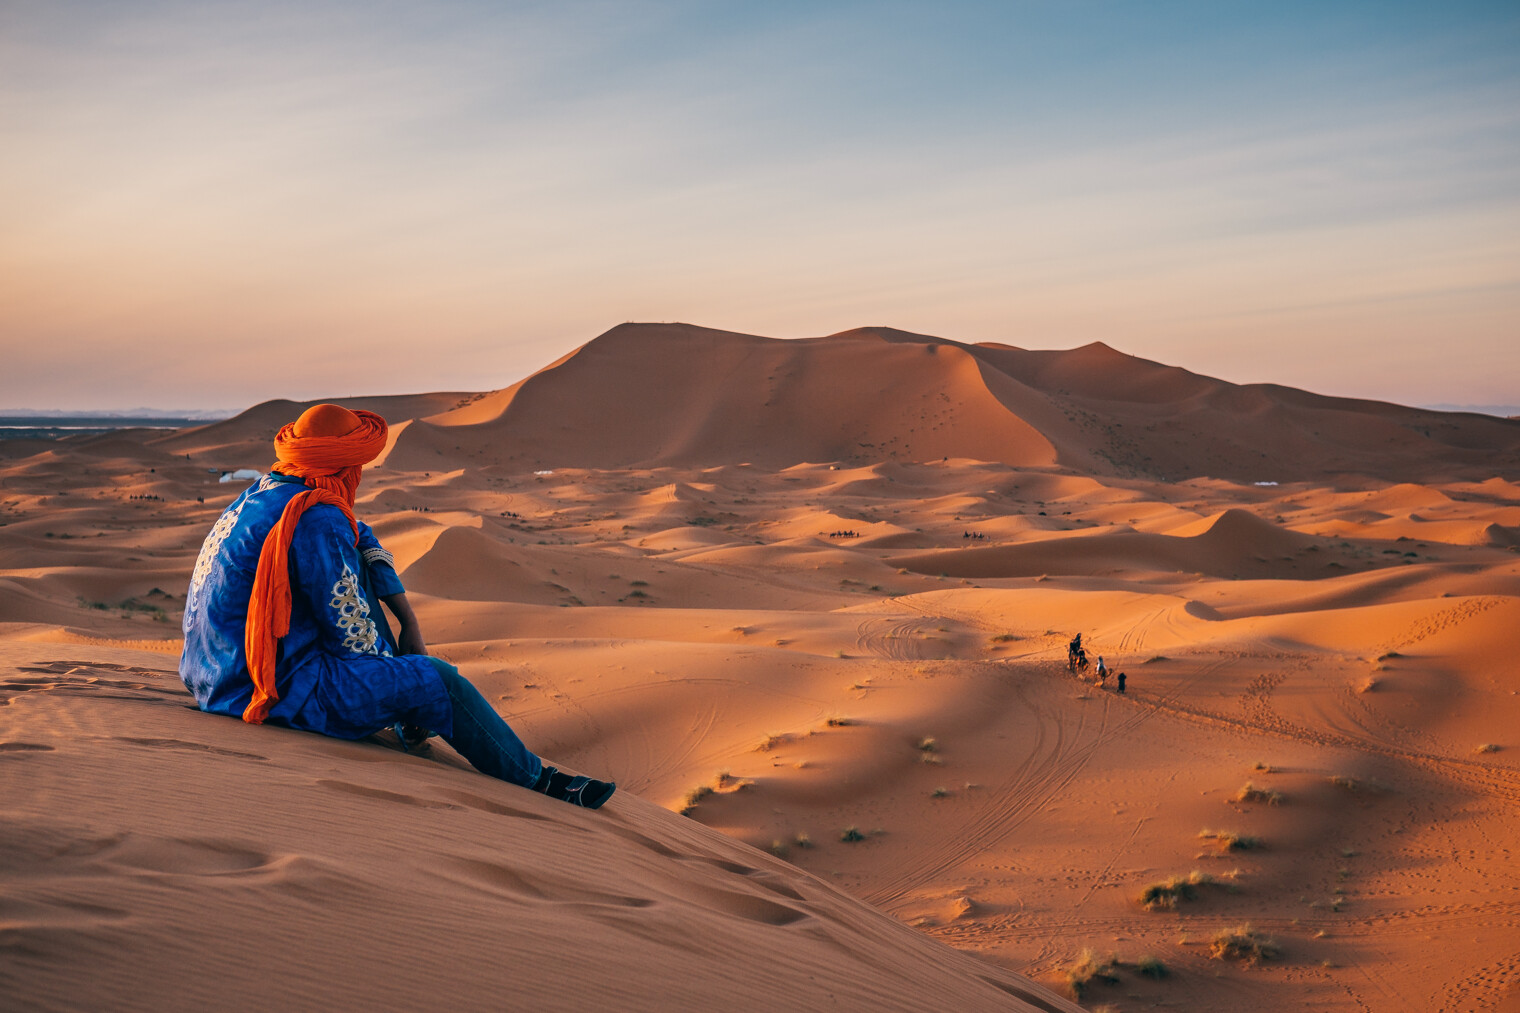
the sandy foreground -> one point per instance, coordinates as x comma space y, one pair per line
790, 617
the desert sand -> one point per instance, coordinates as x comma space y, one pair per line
808, 602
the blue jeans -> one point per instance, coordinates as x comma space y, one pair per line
481, 736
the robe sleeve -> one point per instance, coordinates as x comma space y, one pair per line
383, 579
329, 570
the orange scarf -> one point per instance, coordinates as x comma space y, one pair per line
327, 446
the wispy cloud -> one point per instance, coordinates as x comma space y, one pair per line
464, 190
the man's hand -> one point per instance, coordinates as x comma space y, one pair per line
410, 640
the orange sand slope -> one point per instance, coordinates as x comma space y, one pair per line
158, 858
814, 595
681, 395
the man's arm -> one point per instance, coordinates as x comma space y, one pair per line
410, 640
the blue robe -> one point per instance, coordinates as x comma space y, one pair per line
336, 671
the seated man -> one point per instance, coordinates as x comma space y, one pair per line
283, 622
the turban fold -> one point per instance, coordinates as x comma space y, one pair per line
328, 447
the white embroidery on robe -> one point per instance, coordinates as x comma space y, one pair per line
360, 634
375, 554
209, 548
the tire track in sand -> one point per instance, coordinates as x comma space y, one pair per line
1055, 757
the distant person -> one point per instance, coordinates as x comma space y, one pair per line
1121, 682
283, 622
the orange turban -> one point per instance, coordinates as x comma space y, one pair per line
327, 446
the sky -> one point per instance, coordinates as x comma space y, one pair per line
205, 205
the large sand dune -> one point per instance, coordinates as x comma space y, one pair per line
646, 395
782, 590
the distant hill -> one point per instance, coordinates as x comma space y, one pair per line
247, 439
646, 395
677, 394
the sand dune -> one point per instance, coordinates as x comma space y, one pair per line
808, 602
1231, 544
317, 873
683, 395
243, 441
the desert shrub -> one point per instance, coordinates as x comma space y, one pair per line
928, 745
694, 798
1151, 967
1088, 968
1229, 840
1240, 942
1165, 894
1251, 793
1487, 747
851, 835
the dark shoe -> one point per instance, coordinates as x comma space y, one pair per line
586, 792
413, 739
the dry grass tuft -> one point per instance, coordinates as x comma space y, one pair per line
1165, 894
851, 835
1229, 840
694, 798
1241, 942
723, 781
1088, 968
1251, 793
928, 744
1151, 967
1487, 747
